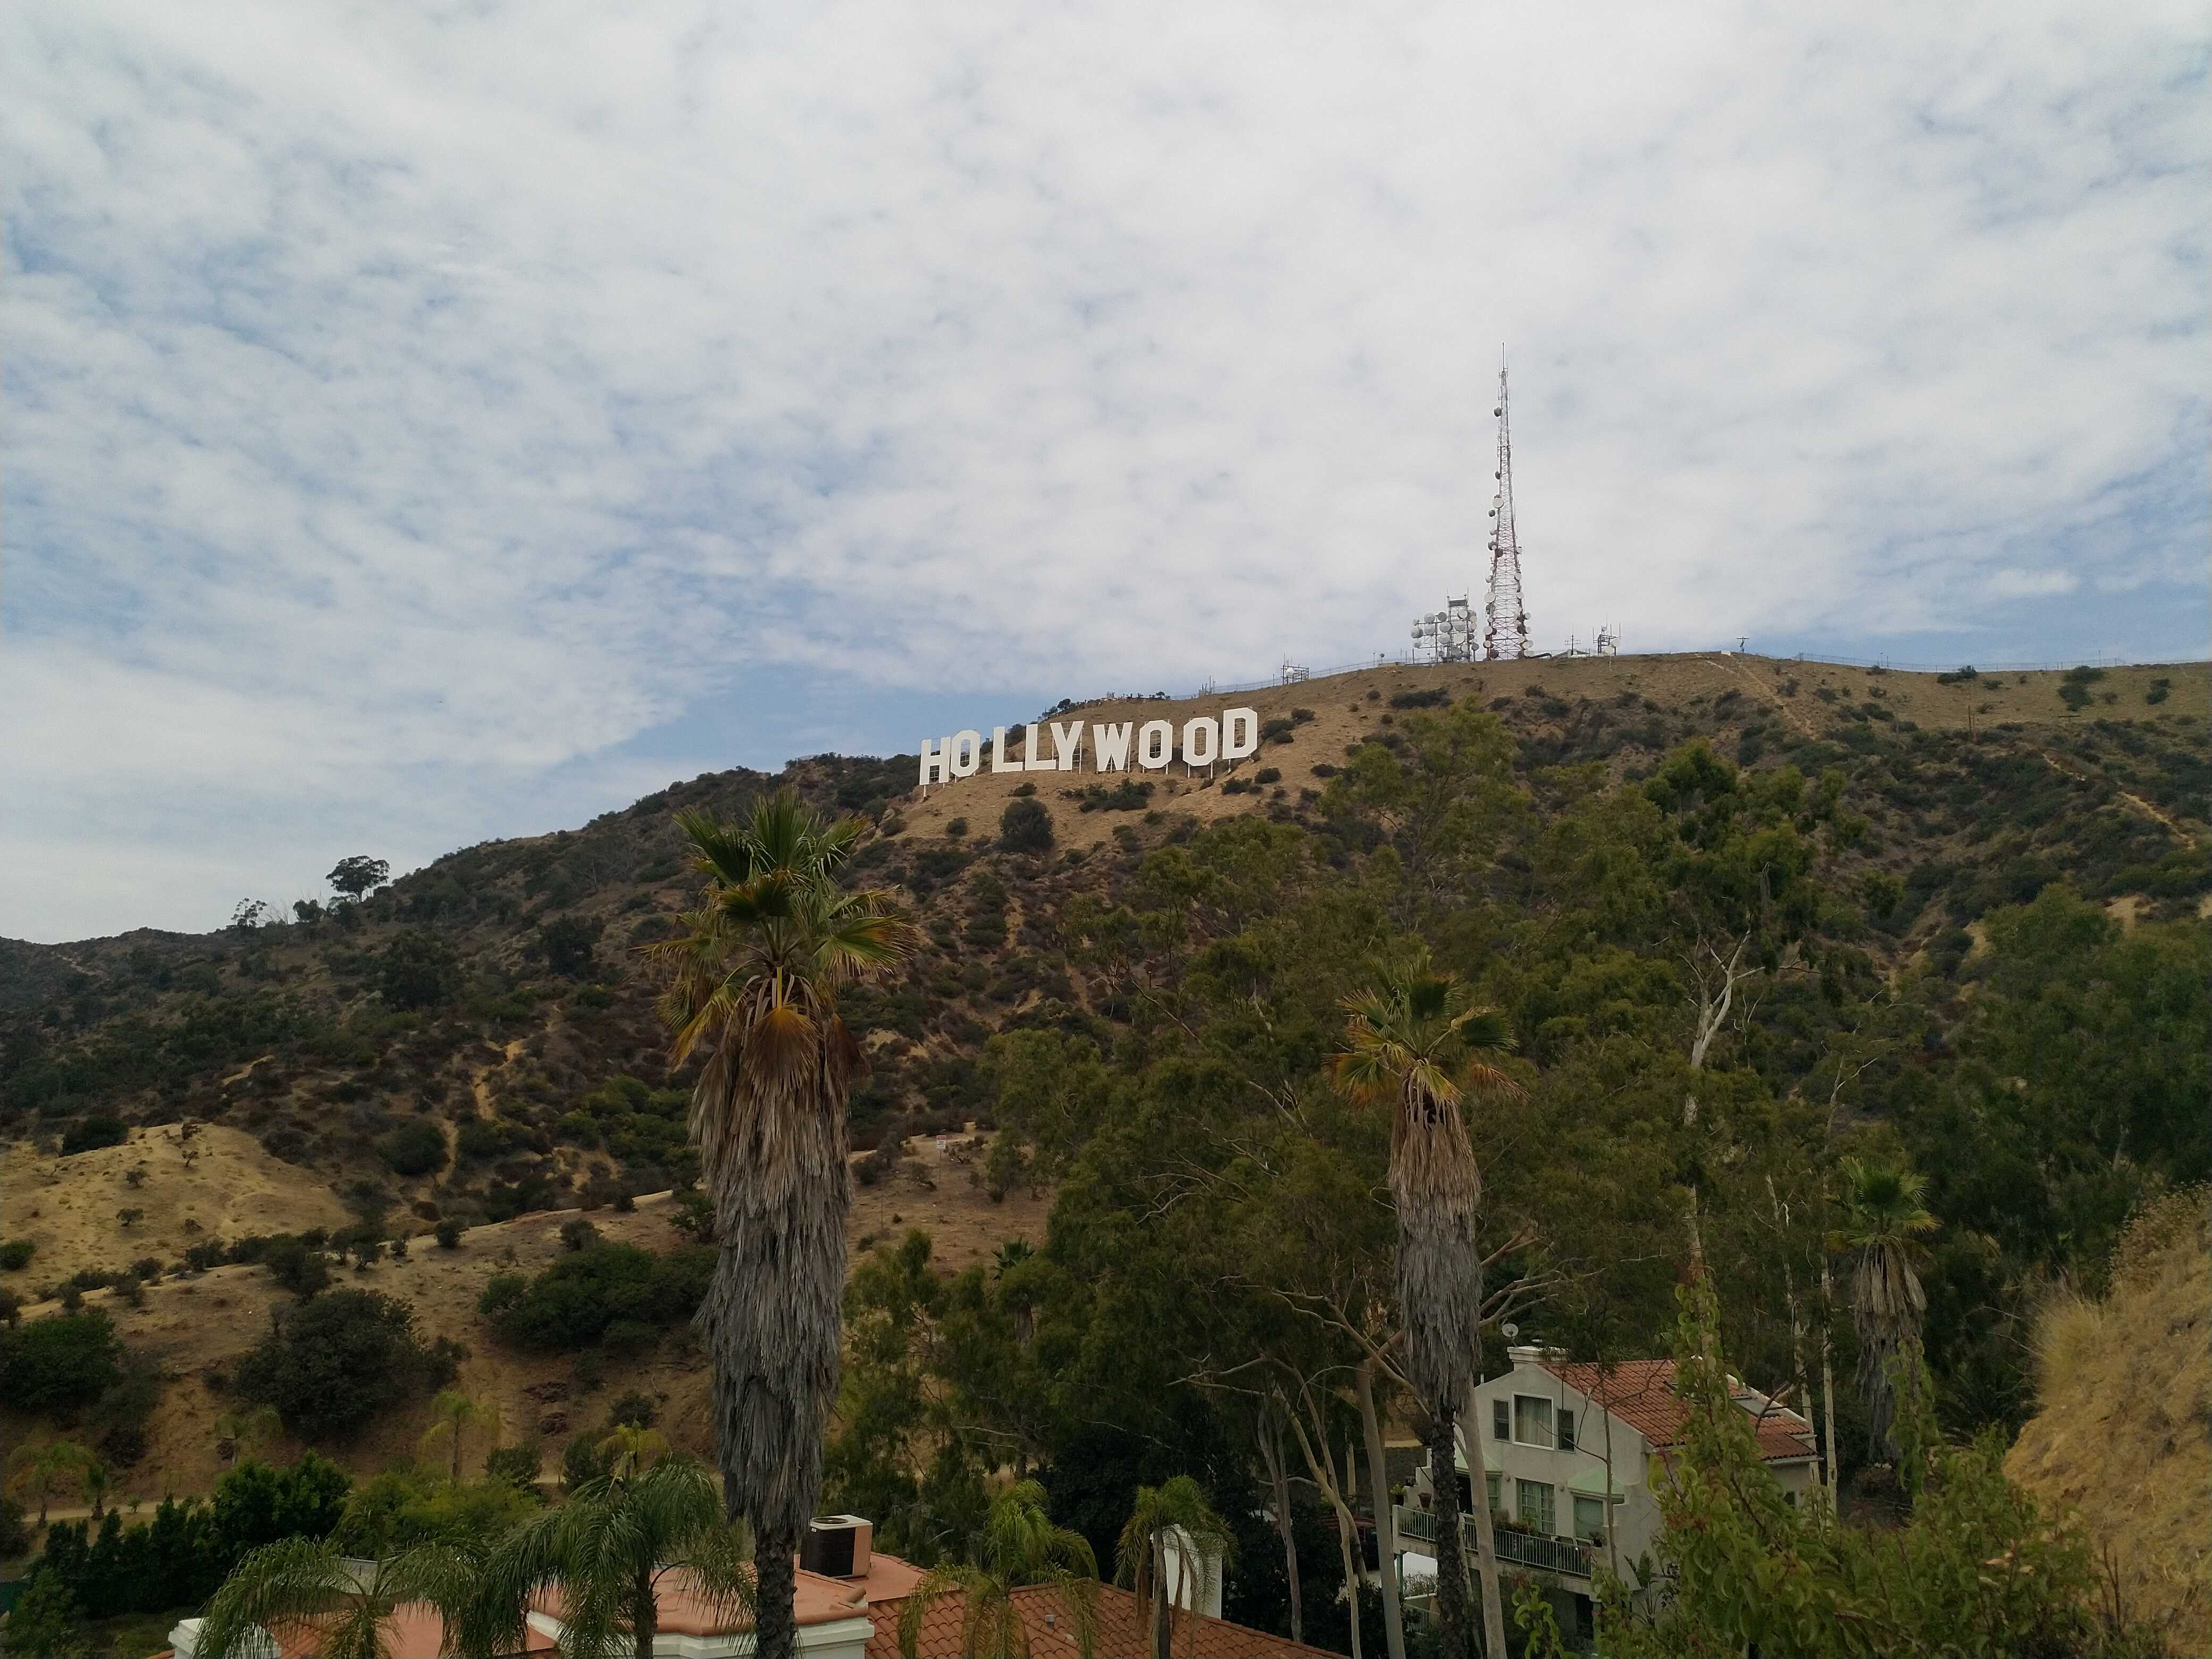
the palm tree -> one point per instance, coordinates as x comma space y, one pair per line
1884, 1219
455, 1413
95, 1479
1019, 1546
1171, 1519
237, 1431
297, 1584
609, 1547
1414, 1042
756, 977
631, 1450
37, 1470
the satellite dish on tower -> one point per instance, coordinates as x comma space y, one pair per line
1511, 1330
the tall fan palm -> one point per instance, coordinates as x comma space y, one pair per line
453, 1413
608, 1548
1416, 1042
1884, 1219
755, 978
300, 1586
1020, 1545
1175, 1521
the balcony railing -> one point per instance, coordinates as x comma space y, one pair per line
1563, 1556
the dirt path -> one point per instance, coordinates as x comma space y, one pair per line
1735, 668
2181, 832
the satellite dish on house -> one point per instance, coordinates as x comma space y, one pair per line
1510, 1331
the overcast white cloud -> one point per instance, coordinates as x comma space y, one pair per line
429, 424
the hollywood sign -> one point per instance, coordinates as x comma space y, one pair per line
1115, 746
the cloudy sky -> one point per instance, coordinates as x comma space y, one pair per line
424, 424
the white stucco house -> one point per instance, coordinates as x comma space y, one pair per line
1571, 1457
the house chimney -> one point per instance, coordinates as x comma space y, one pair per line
1528, 1355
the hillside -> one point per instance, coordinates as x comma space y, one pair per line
477, 1042
2125, 1434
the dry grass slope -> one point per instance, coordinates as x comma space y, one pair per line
199, 1327
2125, 1432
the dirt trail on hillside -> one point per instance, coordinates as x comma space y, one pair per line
2181, 832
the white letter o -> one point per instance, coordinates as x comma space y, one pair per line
967, 753
1155, 744
1201, 740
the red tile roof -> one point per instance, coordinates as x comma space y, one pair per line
1121, 1631
1641, 1394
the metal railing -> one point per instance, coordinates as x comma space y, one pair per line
1523, 1549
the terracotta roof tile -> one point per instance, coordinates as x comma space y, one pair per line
1122, 1632
1641, 1394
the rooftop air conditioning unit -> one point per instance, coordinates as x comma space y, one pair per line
838, 1546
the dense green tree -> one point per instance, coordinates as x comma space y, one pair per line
332, 1362
359, 875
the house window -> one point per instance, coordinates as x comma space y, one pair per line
1566, 1430
1495, 1483
1590, 1519
1501, 1420
1532, 1420
1536, 1500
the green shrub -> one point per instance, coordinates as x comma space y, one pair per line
576, 1302
59, 1363
955, 828
1128, 796
449, 1234
333, 1363
15, 1254
1025, 827
1433, 696
518, 1465
416, 1148
418, 969
298, 1267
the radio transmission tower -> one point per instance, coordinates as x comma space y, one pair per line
1507, 636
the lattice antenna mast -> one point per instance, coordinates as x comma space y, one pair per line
1507, 634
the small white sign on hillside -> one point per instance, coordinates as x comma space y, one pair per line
1116, 746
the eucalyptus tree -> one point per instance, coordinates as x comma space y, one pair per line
1884, 1220
1417, 1041
1019, 1547
754, 981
